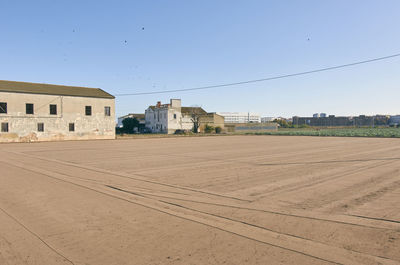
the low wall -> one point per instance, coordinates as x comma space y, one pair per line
250, 127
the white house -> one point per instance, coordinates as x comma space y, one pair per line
168, 118
164, 118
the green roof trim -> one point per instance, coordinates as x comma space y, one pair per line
48, 89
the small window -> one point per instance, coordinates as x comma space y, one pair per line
88, 110
107, 111
3, 107
53, 109
174, 116
72, 127
29, 108
4, 127
40, 127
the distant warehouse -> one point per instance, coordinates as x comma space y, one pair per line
44, 112
240, 117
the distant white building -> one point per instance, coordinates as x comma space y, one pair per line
267, 119
168, 118
240, 117
138, 116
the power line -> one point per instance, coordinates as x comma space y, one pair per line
262, 79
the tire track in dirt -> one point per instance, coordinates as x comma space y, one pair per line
129, 176
57, 252
310, 249
186, 195
322, 179
166, 210
369, 185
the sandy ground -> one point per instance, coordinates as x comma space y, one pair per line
201, 200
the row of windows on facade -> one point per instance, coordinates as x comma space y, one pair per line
29, 109
165, 116
40, 127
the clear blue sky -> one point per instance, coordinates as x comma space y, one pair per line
198, 43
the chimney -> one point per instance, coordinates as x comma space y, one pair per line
158, 104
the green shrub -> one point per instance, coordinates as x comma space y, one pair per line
339, 132
208, 129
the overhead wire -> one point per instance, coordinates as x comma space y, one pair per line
261, 79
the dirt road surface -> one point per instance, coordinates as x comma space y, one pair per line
201, 200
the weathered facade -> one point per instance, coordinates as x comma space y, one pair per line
42, 112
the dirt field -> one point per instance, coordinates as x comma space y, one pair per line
201, 200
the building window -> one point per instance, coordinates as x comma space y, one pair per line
3, 107
4, 127
29, 108
40, 127
72, 127
88, 110
107, 111
174, 116
53, 109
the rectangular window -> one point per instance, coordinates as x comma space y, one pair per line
88, 110
174, 116
53, 109
3, 107
4, 127
107, 111
29, 108
72, 127
40, 127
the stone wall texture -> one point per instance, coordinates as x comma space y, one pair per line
23, 127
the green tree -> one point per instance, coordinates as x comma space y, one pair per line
129, 124
283, 123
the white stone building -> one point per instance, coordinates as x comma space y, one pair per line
44, 112
168, 118
240, 117
164, 118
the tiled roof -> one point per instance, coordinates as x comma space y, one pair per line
191, 110
48, 89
